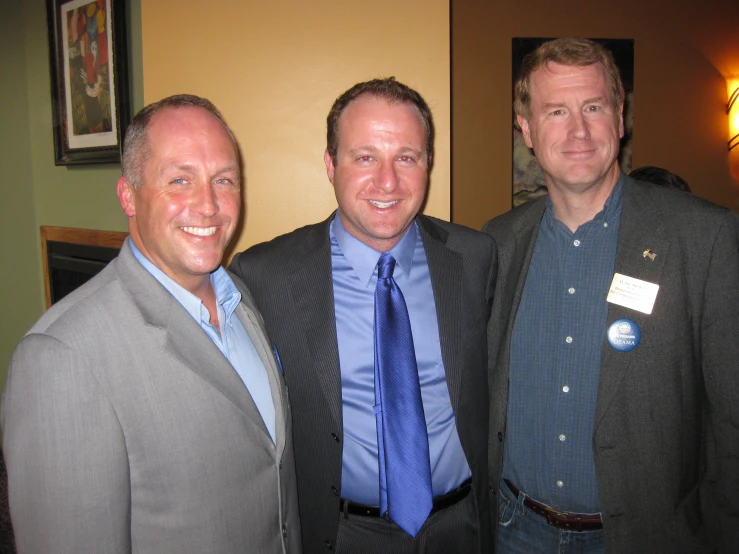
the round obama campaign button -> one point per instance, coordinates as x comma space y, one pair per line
624, 335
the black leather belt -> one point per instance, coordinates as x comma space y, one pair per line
440, 502
564, 520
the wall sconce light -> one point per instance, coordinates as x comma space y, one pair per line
732, 110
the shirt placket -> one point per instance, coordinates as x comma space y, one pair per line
572, 254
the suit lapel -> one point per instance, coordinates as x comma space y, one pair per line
311, 286
640, 229
446, 271
185, 340
525, 231
254, 326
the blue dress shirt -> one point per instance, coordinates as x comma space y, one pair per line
233, 341
354, 266
556, 349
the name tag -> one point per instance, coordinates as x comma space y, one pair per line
632, 293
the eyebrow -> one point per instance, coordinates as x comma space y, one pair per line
594, 99
191, 168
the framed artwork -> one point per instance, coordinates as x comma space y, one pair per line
89, 79
528, 177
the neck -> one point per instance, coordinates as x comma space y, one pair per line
574, 208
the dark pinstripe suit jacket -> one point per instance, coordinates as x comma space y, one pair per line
290, 279
666, 437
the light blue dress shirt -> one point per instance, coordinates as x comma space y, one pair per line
354, 266
233, 341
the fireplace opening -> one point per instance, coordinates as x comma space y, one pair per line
74, 256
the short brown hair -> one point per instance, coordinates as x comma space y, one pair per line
572, 51
389, 89
135, 151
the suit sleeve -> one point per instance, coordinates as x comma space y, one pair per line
68, 477
720, 360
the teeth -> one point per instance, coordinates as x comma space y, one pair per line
378, 204
200, 231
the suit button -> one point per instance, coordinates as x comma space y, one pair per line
492, 490
284, 531
329, 545
334, 490
500, 437
335, 437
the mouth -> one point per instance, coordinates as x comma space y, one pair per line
381, 205
578, 153
200, 231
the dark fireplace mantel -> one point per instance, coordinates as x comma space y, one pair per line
71, 257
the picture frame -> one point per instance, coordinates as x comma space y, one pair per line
89, 80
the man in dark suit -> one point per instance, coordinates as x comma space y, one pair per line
614, 385
380, 140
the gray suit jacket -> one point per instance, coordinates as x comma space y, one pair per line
302, 324
126, 430
666, 438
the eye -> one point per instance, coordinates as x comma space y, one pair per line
180, 181
592, 108
364, 158
407, 159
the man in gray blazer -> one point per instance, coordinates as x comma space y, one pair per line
146, 412
380, 140
613, 340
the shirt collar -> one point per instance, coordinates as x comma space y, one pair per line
227, 295
363, 258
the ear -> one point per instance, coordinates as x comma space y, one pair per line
621, 122
524, 124
329, 166
126, 196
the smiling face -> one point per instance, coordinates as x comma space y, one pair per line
187, 207
380, 175
574, 128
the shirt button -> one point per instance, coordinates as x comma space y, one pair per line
568, 340
284, 531
335, 437
565, 389
605, 224
334, 490
571, 290
560, 484
576, 242
562, 438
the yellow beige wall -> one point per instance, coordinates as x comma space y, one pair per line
683, 51
274, 69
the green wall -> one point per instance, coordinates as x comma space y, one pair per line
35, 192
20, 278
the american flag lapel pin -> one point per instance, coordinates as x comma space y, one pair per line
649, 254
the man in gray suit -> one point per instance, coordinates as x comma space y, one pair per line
613, 339
378, 158
146, 412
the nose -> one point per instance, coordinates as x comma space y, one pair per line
579, 127
205, 201
387, 177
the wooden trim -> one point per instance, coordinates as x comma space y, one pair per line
91, 237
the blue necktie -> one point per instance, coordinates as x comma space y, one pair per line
402, 439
